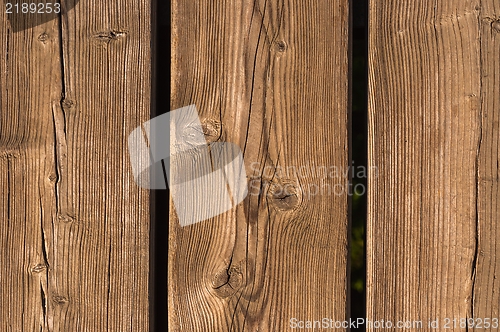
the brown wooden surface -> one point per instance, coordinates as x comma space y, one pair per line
270, 76
75, 227
433, 135
486, 282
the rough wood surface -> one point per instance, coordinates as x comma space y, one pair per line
270, 76
75, 227
486, 288
433, 135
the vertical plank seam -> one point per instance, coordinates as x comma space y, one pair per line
59, 118
46, 267
478, 155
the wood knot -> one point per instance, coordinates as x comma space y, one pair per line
66, 219
9, 155
284, 195
67, 104
53, 177
60, 300
43, 37
280, 46
105, 37
227, 281
496, 26
38, 268
212, 129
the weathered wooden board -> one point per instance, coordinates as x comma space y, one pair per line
486, 287
433, 136
271, 77
75, 227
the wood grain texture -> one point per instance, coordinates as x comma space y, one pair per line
75, 227
486, 289
433, 136
271, 77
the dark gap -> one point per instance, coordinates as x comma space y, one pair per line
359, 152
159, 198
44, 305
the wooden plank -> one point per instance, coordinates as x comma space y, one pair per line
271, 77
486, 282
433, 136
75, 226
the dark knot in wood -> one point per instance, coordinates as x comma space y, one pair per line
280, 46
43, 37
228, 281
212, 129
284, 195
